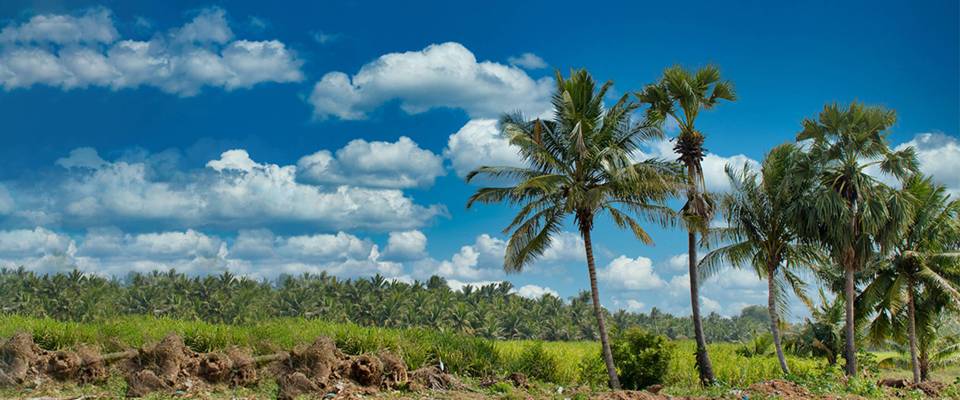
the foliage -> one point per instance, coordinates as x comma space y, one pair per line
490, 311
642, 358
758, 346
536, 362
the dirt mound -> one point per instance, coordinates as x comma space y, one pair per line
931, 388
630, 395
85, 365
432, 378
18, 357
162, 366
322, 368
780, 389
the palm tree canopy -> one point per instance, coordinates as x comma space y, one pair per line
922, 254
580, 163
849, 207
758, 231
680, 95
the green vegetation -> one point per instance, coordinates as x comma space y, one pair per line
680, 95
642, 358
490, 311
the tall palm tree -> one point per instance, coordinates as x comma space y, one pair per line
680, 95
759, 233
918, 261
849, 207
579, 163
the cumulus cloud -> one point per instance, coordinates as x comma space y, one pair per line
82, 157
406, 245
479, 143
631, 274
257, 254
400, 164
6, 201
445, 75
939, 157
234, 191
528, 61
713, 164
535, 292
483, 259
79, 51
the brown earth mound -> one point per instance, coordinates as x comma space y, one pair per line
780, 389
166, 365
432, 378
18, 357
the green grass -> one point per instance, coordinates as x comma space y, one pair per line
565, 363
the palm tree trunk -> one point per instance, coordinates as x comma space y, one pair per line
912, 315
924, 365
850, 350
703, 358
774, 319
604, 340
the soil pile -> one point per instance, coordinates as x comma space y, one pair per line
780, 389
322, 368
18, 359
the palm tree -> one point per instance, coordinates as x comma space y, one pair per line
918, 261
680, 95
580, 164
759, 233
848, 206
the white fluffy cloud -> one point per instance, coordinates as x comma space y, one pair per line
406, 245
566, 246
234, 191
479, 143
79, 51
939, 157
631, 274
6, 201
443, 75
713, 164
528, 61
400, 164
535, 292
258, 254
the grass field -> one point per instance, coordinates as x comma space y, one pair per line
559, 363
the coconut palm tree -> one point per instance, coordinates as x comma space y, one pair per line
680, 95
918, 260
849, 207
758, 233
580, 163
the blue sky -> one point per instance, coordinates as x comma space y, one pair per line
333, 137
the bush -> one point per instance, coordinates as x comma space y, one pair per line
592, 371
642, 358
535, 362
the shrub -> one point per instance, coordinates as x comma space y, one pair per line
535, 362
642, 358
592, 371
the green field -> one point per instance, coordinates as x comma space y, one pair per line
555, 363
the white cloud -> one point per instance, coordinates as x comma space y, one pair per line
443, 75
479, 143
528, 61
257, 254
565, 246
713, 164
679, 262
631, 274
233, 192
406, 245
635, 306
710, 305
535, 292
738, 278
82, 157
76, 52
939, 157
93, 26
400, 164
6, 201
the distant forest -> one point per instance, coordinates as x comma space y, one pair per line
490, 311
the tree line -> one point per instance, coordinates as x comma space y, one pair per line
837, 202
491, 311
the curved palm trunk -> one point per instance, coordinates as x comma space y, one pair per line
704, 367
775, 319
924, 365
850, 349
912, 316
604, 339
